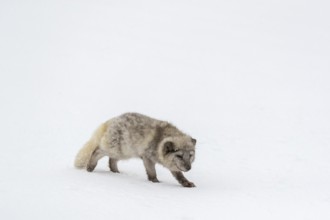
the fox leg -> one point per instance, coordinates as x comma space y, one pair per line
151, 170
97, 154
113, 165
181, 179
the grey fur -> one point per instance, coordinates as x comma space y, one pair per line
135, 135
113, 165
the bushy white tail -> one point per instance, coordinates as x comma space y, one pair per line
85, 153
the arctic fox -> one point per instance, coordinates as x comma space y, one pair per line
134, 135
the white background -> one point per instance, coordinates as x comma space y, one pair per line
248, 79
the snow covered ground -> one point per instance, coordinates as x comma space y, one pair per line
248, 79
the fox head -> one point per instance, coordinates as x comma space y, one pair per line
178, 153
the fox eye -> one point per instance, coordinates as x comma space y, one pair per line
179, 156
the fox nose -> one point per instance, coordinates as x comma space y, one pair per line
188, 167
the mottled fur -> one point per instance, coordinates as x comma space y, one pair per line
134, 135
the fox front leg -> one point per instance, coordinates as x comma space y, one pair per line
181, 179
151, 170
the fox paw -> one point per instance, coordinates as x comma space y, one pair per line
90, 168
188, 184
154, 180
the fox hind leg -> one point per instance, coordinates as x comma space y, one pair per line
96, 156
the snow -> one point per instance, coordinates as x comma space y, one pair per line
248, 79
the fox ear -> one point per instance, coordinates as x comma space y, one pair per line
193, 141
169, 146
